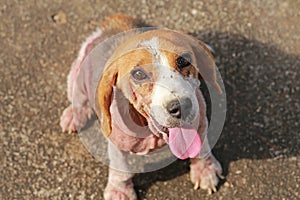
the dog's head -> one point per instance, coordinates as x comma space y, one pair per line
159, 72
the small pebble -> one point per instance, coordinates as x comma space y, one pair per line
59, 18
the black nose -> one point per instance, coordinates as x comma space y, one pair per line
179, 108
174, 109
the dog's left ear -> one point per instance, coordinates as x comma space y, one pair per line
206, 65
104, 98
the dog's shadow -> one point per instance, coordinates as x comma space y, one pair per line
262, 88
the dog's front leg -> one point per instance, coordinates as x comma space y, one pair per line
205, 170
119, 185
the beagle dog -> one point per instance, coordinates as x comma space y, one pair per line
156, 74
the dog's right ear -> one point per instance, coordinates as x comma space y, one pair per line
104, 98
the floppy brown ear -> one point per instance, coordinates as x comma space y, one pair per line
104, 99
206, 65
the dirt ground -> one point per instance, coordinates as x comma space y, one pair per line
257, 46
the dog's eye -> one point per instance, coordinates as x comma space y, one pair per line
183, 61
139, 75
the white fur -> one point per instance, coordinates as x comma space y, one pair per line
170, 85
153, 46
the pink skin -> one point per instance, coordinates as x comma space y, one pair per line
76, 115
119, 186
204, 172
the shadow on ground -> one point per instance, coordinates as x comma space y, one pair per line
262, 87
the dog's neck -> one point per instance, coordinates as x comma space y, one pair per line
137, 117
128, 135
126, 117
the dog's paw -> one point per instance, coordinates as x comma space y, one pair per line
73, 119
120, 192
205, 172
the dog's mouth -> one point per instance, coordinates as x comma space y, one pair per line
184, 141
158, 129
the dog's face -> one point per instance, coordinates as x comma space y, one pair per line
161, 83
158, 72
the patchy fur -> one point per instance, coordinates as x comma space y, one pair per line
118, 85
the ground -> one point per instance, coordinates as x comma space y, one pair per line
257, 46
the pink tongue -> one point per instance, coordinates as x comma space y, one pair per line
184, 143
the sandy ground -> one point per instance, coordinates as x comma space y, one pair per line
257, 47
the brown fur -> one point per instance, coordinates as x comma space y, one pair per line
120, 65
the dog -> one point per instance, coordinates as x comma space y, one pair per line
157, 74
